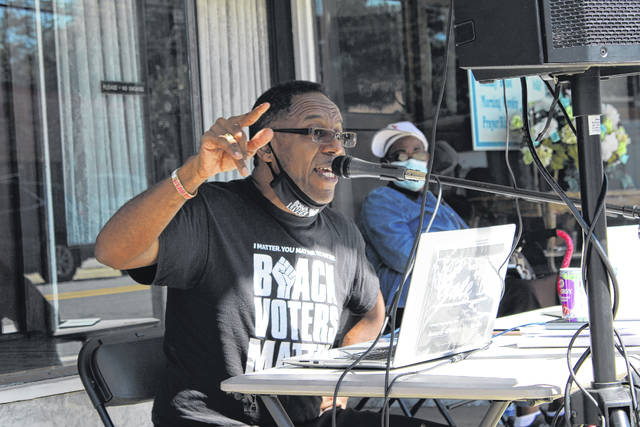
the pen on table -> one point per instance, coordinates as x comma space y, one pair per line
552, 315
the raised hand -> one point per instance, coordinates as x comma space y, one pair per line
225, 147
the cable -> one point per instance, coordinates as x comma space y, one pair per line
425, 192
517, 327
554, 423
564, 111
633, 356
585, 227
347, 370
562, 194
600, 206
586, 251
547, 123
601, 199
452, 359
572, 374
512, 176
554, 185
391, 314
396, 297
623, 350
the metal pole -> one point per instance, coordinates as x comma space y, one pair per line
277, 411
585, 90
51, 236
631, 212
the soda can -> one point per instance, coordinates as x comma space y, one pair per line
573, 296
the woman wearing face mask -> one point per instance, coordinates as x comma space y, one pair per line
390, 214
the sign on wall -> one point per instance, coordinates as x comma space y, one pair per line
488, 118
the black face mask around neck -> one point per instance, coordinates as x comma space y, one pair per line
291, 195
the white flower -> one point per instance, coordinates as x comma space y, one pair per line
611, 112
609, 146
545, 154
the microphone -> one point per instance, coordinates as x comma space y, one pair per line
352, 167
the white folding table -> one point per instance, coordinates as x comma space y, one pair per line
501, 374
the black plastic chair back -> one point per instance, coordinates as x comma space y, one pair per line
121, 368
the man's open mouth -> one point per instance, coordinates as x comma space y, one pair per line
325, 172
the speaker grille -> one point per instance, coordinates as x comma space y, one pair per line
576, 23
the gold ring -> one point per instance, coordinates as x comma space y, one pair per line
230, 139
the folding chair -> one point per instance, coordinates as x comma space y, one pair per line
121, 368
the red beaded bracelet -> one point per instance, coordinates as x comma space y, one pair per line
176, 183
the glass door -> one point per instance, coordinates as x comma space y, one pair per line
95, 106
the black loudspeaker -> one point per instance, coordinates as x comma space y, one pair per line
512, 38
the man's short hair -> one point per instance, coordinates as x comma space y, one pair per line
279, 96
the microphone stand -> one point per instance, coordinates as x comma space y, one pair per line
630, 212
614, 400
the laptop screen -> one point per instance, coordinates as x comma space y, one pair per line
455, 291
623, 247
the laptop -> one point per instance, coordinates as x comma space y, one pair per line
623, 247
452, 302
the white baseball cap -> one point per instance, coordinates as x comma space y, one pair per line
384, 138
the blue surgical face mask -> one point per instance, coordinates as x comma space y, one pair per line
419, 165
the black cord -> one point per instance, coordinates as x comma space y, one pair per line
587, 253
623, 351
564, 110
516, 328
547, 123
572, 208
391, 313
451, 359
556, 417
572, 374
560, 192
347, 370
425, 192
585, 227
633, 356
396, 297
514, 184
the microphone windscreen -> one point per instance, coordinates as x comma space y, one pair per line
339, 166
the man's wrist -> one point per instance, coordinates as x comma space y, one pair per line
186, 180
177, 183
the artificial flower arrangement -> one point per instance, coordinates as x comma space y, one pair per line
558, 148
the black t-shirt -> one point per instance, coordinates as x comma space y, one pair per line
250, 284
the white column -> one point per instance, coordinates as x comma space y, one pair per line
304, 40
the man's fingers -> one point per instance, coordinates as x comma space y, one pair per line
214, 140
238, 143
260, 139
252, 116
227, 136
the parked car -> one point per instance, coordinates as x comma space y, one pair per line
25, 208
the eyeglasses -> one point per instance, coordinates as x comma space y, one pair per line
324, 136
402, 156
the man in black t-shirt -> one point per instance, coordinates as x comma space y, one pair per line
257, 269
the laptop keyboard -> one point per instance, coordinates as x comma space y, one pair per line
378, 353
